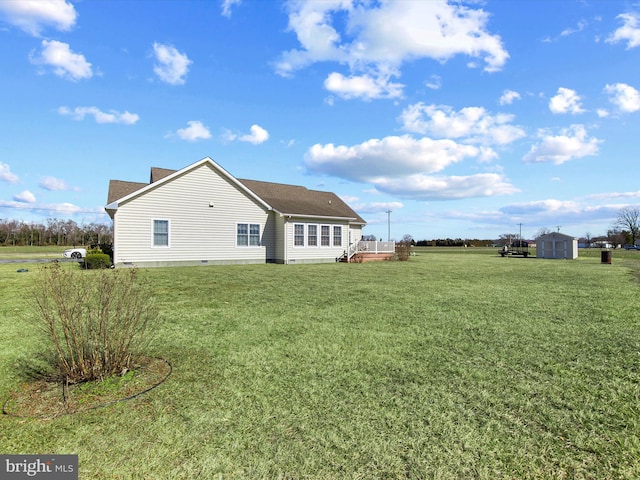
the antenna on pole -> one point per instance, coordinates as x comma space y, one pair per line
558, 227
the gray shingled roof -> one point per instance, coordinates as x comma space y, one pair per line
160, 173
119, 189
286, 199
296, 200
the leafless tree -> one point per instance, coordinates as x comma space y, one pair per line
543, 231
629, 219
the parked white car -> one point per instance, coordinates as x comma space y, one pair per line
75, 253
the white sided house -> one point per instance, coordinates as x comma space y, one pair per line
202, 215
556, 245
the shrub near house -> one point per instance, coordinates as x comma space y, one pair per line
96, 259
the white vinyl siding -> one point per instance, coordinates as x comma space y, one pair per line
198, 232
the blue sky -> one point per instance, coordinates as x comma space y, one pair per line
464, 119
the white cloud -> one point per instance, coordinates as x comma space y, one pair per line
624, 96
582, 24
65, 63
543, 206
6, 175
391, 156
381, 36
508, 96
426, 187
53, 184
25, 197
172, 66
256, 136
602, 113
33, 16
615, 195
566, 101
376, 207
629, 31
363, 86
194, 132
50, 208
112, 116
474, 124
564, 213
434, 82
572, 143
226, 7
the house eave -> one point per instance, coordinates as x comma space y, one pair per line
317, 217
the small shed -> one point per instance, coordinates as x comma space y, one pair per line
556, 245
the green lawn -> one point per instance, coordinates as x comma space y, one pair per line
456, 365
20, 252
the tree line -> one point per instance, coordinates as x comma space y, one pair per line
54, 232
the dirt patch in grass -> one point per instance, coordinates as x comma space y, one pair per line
45, 399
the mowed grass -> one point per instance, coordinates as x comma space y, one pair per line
457, 365
34, 252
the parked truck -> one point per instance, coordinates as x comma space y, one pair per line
517, 247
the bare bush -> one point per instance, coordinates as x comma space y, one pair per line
403, 250
96, 321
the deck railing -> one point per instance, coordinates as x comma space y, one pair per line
370, 247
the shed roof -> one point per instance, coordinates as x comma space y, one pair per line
557, 235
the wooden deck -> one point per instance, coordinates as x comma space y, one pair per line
364, 257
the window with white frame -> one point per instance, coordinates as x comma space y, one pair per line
248, 235
312, 235
337, 236
160, 233
325, 235
298, 235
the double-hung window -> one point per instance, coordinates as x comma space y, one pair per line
312, 235
337, 236
160, 233
248, 235
325, 235
298, 235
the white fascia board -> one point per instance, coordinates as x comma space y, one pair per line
315, 217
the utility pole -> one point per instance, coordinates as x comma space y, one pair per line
520, 233
388, 212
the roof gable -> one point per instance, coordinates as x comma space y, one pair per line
285, 199
163, 175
